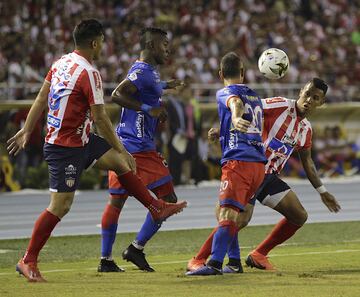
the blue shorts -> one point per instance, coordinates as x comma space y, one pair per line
272, 190
67, 163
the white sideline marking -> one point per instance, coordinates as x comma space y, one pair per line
185, 261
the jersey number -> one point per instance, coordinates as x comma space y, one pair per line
256, 114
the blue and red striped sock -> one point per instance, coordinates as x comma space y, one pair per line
109, 224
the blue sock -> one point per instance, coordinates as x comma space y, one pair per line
107, 240
234, 248
222, 238
148, 229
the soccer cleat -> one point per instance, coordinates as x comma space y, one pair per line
30, 271
137, 257
233, 269
106, 265
205, 270
257, 260
195, 264
166, 210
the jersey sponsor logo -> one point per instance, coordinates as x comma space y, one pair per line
97, 80
53, 121
55, 95
139, 124
233, 143
279, 148
274, 100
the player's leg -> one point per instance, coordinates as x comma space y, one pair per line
160, 210
109, 224
59, 205
238, 184
65, 167
277, 195
135, 251
233, 251
234, 264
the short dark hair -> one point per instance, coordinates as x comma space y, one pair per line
319, 84
149, 30
230, 65
86, 31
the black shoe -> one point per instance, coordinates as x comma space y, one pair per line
137, 257
233, 268
109, 266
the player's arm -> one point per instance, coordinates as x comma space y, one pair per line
311, 173
124, 95
237, 110
21, 138
172, 84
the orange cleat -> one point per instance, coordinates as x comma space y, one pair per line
166, 210
30, 271
195, 264
257, 260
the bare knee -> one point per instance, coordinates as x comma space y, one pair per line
60, 203
301, 217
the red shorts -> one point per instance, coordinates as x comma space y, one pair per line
152, 169
239, 182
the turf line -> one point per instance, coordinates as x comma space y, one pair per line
185, 261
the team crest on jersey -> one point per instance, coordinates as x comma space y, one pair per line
70, 172
70, 182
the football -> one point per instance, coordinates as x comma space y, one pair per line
273, 63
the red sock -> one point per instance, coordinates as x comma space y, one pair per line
44, 225
136, 188
281, 232
205, 249
110, 216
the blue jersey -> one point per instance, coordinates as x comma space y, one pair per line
236, 145
136, 129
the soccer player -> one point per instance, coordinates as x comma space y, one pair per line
243, 158
140, 96
285, 129
73, 92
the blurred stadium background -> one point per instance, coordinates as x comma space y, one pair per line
321, 38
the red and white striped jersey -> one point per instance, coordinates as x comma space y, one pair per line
283, 132
75, 86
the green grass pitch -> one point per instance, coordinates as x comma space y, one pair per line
321, 260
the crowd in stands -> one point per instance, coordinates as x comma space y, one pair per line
321, 37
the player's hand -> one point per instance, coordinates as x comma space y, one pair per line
174, 83
18, 142
240, 124
330, 202
213, 135
159, 112
130, 160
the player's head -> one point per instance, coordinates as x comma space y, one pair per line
312, 95
231, 67
89, 35
156, 44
